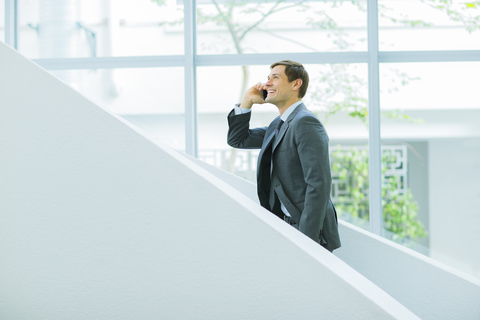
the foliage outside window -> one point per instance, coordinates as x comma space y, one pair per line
350, 167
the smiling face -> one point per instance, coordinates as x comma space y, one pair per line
281, 92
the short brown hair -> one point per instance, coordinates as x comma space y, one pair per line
294, 70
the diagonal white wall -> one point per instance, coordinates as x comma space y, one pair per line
98, 222
428, 288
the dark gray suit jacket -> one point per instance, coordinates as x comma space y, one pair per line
301, 170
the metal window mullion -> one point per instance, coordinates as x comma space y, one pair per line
191, 145
429, 56
253, 59
11, 23
266, 58
375, 157
111, 62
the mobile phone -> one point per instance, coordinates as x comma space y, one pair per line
265, 93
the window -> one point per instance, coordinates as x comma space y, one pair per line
150, 98
2, 20
83, 28
225, 27
341, 106
433, 111
428, 25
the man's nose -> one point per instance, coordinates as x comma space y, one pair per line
268, 83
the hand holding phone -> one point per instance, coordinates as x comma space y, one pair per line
255, 94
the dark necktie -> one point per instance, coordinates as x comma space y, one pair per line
272, 198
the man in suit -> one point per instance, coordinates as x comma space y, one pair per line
293, 171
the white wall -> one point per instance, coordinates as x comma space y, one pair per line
98, 222
427, 287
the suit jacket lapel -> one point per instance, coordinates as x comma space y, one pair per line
285, 126
265, 147
263, 175
267, 144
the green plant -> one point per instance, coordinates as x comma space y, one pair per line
350, 167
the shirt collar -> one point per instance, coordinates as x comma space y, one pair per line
289, 110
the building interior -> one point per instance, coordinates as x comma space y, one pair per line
122, 105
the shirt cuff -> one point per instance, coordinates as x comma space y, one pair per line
239, 110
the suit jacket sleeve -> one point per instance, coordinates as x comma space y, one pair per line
240, 135
312, 143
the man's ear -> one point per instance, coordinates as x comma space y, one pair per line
297, 84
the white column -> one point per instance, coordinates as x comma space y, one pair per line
11, 23
191, 146
375, 157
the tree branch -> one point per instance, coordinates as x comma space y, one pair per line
287, 39
265, 15
230, 26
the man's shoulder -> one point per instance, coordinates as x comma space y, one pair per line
306, 115
306, 121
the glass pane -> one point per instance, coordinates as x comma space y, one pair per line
431, 134
92, 28
428, 25
268, 26
337, 94
145, 97
2, 20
